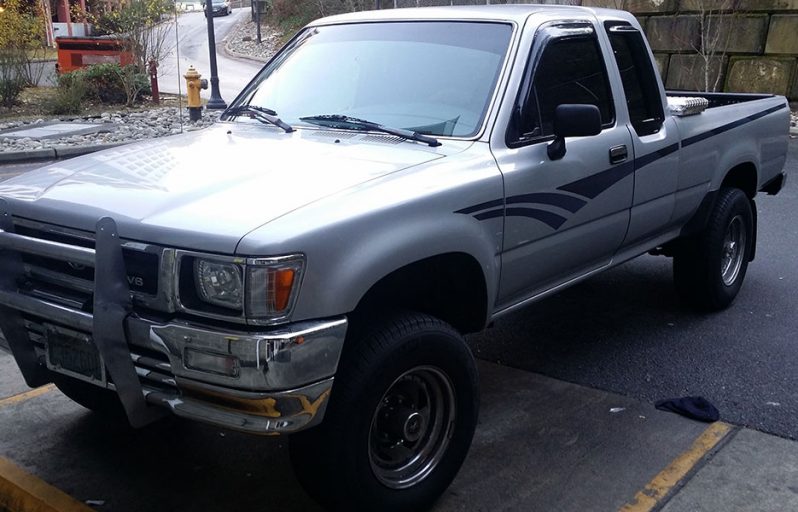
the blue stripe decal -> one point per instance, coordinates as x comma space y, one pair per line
726, 127
492, 214
551, 219
656, 155
594, 185
572, 204
482, 206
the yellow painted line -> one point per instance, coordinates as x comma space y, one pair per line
22, 492
27, 395
666, 480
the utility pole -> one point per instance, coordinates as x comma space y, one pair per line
216, 101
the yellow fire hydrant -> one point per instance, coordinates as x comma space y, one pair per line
194, 83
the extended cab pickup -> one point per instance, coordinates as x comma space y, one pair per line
389, 181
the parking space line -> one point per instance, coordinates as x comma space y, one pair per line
659, 486
27, 395
22, 492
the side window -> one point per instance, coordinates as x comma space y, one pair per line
571, 70
639, 81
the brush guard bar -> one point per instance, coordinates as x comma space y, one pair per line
111, 306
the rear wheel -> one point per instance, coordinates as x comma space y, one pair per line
710, 267
400, 421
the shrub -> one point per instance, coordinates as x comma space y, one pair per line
10, 88
109, 83
70, 95
105, 83
134, 83
21, 38
11, 81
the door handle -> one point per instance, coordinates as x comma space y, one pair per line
618, 154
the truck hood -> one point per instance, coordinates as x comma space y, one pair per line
207, 189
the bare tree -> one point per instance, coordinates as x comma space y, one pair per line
144, 26
715, 25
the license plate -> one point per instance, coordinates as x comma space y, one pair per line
74, 354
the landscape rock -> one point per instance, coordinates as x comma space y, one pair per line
120, 126
243, 41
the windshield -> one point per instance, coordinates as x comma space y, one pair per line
435, 78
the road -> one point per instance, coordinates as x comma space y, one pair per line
191, 40
192, 47
624, 331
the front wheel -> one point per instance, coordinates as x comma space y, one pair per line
400, 421
96, 399
709, 269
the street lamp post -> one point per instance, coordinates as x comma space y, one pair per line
216, 101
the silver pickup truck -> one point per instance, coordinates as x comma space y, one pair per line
389, 182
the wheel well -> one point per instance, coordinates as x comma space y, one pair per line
448, 286
743, 177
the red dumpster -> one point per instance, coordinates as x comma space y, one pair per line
78, 52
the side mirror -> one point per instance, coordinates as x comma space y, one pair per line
573, 121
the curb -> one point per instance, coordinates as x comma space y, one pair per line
54, 153
234, 54
22, 492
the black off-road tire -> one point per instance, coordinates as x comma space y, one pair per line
96, 399
710, 266
340, 463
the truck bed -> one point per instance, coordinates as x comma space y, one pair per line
719, 99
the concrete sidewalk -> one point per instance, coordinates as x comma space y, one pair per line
541, 444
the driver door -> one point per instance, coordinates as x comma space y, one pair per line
563, 218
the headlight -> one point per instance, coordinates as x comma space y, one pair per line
261, 291
219, 283
272, 286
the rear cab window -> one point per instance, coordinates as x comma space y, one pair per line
638, 77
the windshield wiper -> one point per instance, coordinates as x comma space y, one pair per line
262, 114
341, 121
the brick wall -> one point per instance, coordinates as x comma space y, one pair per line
750, 45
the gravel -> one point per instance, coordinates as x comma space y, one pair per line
126, 126
243, 41
122, 126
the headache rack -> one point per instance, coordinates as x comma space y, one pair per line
22, 314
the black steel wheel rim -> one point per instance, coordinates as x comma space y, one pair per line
411, 427
733, 251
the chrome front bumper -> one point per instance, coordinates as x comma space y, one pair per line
280, 381
269, 393
269, 382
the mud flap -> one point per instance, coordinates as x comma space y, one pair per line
755, 230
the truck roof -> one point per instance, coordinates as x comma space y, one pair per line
508, 12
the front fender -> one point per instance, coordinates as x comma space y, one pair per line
354, 239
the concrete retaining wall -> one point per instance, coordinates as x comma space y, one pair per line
748, 45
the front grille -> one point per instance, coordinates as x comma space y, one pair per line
142, 267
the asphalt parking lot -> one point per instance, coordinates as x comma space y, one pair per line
542, 444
